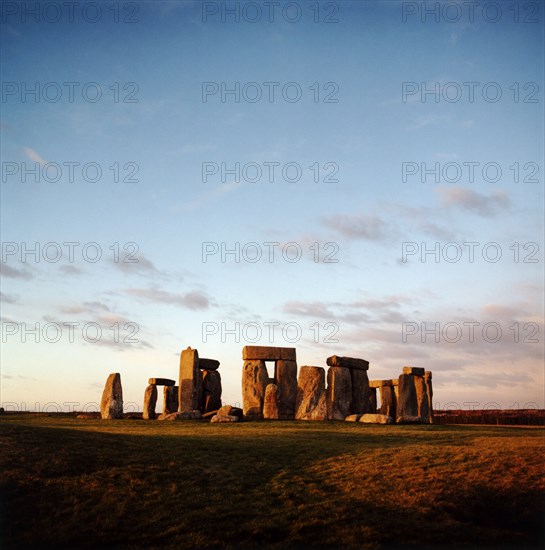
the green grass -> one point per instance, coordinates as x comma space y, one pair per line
91, 483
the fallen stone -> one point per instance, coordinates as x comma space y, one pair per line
353, 418
347, 362
211, 390
339, 393
264, 353
376, 419
111, 404
271, 402
407, 404
170, 399
311, 401
255, 379
208, 364
406, 419
161, 382
285, 377
418, 371
190, 389
186, 415
222, 418
360, 391
150, 400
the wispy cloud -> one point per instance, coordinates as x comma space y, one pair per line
8, 298
370, 228
142, 265
14, 273
34, 156
466, 199
193, 300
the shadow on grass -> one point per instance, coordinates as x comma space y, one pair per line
247, 486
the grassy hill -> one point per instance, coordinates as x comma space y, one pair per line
70, 482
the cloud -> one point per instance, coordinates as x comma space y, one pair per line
370, 228
34, 156
86, 307
70, 270
193, 300
466, 199
8, 298
310, 309
211, 195
143, 265
14, 273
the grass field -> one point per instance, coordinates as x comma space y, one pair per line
89, 483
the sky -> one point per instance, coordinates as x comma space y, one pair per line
348, 178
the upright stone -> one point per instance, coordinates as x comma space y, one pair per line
422, 399
427, 379
407, 405
254, 381
150, 400
388, 401
339, 393
111, 404
285, 377
372, 400
271, 409
170, 399
211, 391
311, 401
360, 391
190, 390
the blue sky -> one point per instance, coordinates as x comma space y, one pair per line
370, 297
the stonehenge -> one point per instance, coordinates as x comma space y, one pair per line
348, 395
344, 392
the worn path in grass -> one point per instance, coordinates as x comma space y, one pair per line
129, 483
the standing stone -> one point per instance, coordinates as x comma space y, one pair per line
395, 384
111, 405
254, 381
190, 390
360, 391
407, 405
311, 401
422, 399
339, 393
427, 379
388, 402
271, 404
285, 377
211, 391
170, 399
150, 400
372, 400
